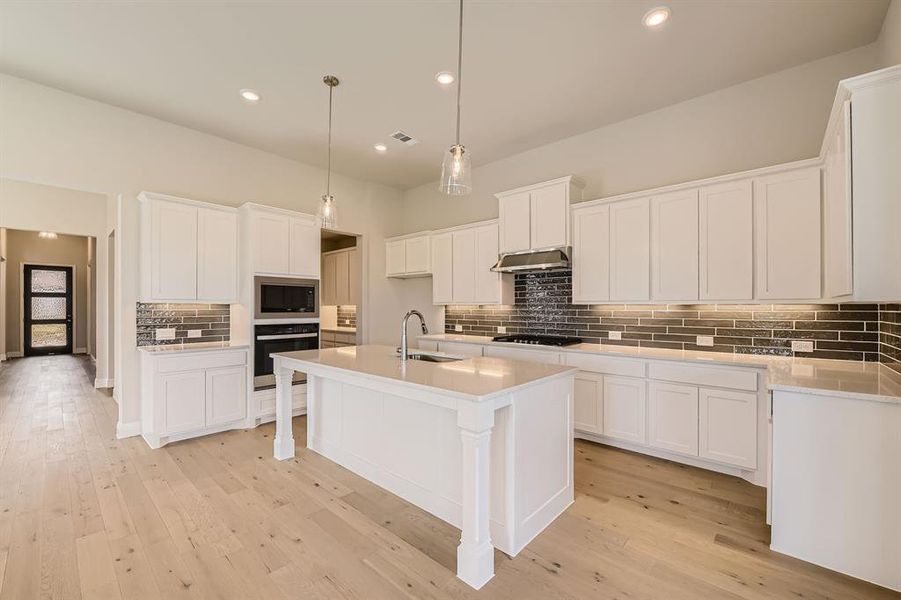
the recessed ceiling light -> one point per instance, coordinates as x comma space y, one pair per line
381, 148
445, 78
655, 17
250, 95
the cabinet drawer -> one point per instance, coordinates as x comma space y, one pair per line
738, 379
205, 360
346, 338
605, 364
326, 336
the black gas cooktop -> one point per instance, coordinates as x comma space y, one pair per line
543, 340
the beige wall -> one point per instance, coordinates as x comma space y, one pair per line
25, 247
770, 120
890, 38
2, 293
53, 137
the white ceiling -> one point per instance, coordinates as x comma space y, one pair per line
533, 71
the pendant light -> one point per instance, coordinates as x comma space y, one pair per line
456, 171
328, 211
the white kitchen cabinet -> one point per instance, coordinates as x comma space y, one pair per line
588, 405
305, 246
591, 254
536, 216
837, 255
674, 246
183, 400
189, 393
464, 266
727, 423
624, 412
673, 417
487, 282
189, 250
217, 255
630, 250
726, 241
226, 396
408, 256
787, 222
443, 268
283, 242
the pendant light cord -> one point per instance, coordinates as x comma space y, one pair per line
328, 177
459, 69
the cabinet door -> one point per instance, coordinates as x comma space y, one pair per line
591, 255
726, 242
328, 292
395, 258
515, 222
226, 400
674, 246
624, 409
728, 427
787, 222
630, 250
464, 267
272, 244
353, 277
173, 251
587, 403
305, 247
217, 255
550, 216
837, 276
673, 417
342, 278
443, 268
416, 255
183, 400
488, 283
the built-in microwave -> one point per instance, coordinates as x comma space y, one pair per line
285, 298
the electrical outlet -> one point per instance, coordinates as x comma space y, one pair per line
165, 334
194, 333
802, 346
458, 328
501, 329
615, 335
705, 340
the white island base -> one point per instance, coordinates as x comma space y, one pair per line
484, 444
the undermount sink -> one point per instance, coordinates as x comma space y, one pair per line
435, 358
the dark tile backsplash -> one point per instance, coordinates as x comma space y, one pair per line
347, 315
543, 304
211, 319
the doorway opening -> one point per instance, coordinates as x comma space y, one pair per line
47, 318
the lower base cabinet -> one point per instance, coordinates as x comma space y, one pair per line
728, 427
588, 405
226, 396
624, 409
673, 417
182, 397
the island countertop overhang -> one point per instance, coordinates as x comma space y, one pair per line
475, 379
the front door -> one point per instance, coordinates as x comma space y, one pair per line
47, 310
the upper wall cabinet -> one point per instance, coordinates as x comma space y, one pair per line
837, 255
340, 273
461, 267
674, 246
189, 250
726, 241
630, 250
408, 256
283, 242
536, 216
591, 254
787, 222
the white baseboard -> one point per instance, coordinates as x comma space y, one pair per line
124, 430
80, 351
2, 357
103, 383
14, 354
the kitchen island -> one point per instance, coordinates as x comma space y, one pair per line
484, 444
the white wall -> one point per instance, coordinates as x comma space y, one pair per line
52, 136
889, 41
2, 293
774, 119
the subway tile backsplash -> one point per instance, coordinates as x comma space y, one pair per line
543, 304
211, 319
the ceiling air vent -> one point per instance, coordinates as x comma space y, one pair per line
404, 138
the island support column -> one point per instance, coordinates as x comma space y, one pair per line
475, 554
284, 408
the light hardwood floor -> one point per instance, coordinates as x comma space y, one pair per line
84, 515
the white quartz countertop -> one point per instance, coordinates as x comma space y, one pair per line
845, 378
471, 378
196, 347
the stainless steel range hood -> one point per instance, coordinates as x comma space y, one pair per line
533, 260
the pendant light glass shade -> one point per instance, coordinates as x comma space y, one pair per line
328, 212
456, 172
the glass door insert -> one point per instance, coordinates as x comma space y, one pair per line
47, 310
